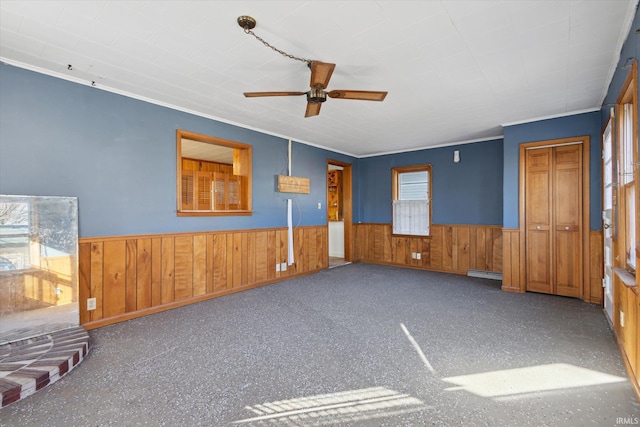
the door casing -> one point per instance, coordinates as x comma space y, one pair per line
607, 218
347, 206
586, 273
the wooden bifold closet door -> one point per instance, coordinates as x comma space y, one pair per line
553, 215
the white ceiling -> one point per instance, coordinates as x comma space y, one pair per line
204, 151
455, 70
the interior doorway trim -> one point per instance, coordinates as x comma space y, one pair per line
347, 206
586, 225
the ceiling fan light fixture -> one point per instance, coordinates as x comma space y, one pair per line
316, 96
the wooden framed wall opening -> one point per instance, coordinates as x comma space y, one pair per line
213, 175
584, 235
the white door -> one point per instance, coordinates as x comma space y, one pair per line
607, 217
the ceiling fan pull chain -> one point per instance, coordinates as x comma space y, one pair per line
260, 39
247, 23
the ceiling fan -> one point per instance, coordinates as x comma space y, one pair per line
320, 75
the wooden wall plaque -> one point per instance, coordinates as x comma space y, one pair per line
293, 184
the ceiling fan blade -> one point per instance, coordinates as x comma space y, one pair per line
257, 94
364, 95
313, 109
320, 74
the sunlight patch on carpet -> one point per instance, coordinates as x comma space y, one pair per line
335, 408
509, 382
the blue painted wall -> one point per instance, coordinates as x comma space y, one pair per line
563, 127
118, 156
583, 124
311, 162
469, 192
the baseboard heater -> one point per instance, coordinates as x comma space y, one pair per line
485, 274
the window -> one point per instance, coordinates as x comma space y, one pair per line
627, 169
214, 176
412, 200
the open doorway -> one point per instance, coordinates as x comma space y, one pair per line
339, 212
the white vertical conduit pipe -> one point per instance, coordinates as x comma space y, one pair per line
289, 155
290, 259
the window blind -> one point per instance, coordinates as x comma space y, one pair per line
413, 185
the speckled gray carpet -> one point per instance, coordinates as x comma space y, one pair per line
361, 345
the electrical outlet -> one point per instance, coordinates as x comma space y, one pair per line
319, 205
413, 255
622, 318
91, 304
277, 267
283, 266
58, 291
418, 255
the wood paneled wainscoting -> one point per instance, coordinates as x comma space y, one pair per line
626, 323
512, 269
132, 276
513, 274
450, 248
